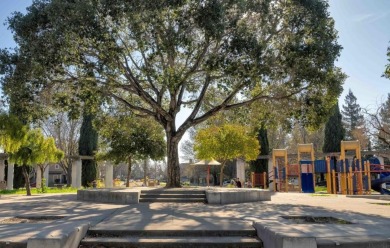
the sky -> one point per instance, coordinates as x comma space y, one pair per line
364, 32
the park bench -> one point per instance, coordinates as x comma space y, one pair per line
59, 185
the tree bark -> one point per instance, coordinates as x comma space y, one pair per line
173, 161
42, 168
221, 175
27, 179
145, 171
128, 172
215, 178
69, 175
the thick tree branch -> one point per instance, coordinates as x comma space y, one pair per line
143, 94
132, 106
150, 81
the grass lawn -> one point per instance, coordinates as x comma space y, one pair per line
50, 190
320, 189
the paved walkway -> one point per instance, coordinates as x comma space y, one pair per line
373, 219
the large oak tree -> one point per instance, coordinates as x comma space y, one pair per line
156, 57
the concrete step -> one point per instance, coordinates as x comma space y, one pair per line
172, 242
173, 191
13, 244
172, 196
103, 232
179, 200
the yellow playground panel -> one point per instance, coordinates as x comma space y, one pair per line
348, 174
280, 170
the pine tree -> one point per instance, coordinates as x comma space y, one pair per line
352, 116
382, 125
88, 144
334, 131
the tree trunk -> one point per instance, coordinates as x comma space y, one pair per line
173, 161
26, 175
69, 175
145, 171
42, 168
221, 175
215, 178
128, 172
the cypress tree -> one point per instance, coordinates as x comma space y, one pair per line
88, 144
17, 109
334, 131
261, 165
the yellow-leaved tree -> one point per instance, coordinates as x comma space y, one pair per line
226, 142
12, 133
36, 149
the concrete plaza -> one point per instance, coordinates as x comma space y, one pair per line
370, 218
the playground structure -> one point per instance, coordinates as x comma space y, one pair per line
349, 175
294, 177
259, 180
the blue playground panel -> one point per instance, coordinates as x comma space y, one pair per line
374, 160
358, 165
320, 166
384, 174
306, 177
332, 165
340, 166
307, 183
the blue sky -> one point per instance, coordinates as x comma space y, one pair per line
364, 32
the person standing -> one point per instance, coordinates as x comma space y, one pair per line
238, 183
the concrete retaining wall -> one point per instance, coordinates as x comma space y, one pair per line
109, 196
237, 196
70, 236
214, 196
278, 235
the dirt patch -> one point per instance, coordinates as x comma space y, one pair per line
315, 220
30, 219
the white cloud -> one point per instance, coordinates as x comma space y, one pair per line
369, 18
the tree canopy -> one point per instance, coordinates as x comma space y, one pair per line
35, 149
157, 57
226, 142
129, 138
12, 132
